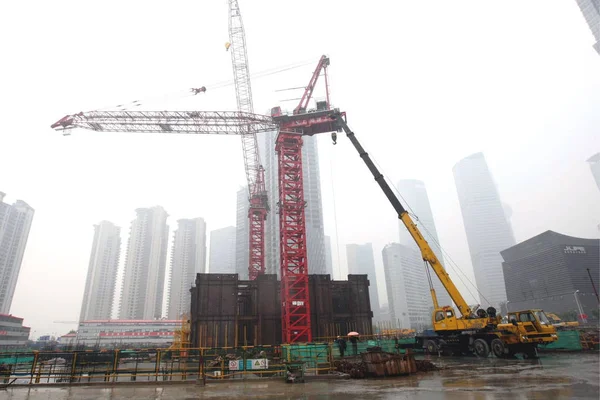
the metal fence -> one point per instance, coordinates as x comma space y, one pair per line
148, 365
245, 362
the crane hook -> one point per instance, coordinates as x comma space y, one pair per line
334, 137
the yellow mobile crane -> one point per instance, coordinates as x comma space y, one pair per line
475, 330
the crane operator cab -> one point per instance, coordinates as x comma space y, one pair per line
445, 319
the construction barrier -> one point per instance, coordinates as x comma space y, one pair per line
193, 364
567, 341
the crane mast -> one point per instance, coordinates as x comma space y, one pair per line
258, 209
295, 298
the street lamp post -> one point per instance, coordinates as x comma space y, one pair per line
584, 320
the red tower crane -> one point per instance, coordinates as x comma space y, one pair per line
295, 304
295, 300
259, 205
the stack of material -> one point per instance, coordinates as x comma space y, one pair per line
380, 364
356, 370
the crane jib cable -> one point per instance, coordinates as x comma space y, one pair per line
452, 264
180, 94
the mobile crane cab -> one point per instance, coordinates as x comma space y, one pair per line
484, 333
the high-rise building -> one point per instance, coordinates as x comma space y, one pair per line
409, 303
15, 222
315, 235
361, 262
101, 278
415, 196
188, 258
554, 272
222, 251
591, 12
328, 258
595, 167
487, 228
242, 251
145, 265
315, 228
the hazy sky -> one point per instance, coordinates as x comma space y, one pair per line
424, 85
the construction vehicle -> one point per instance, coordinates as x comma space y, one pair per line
559, 323
475, 330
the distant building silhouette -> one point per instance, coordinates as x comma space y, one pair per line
361, 262
415, 196
591, 12
409, 301
222, 251
188, 258
242, 245
315, 234
595, 167
15, 222
546, 270
145, 265
328, 257
101, 280
487, 228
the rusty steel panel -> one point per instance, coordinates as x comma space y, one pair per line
226, 311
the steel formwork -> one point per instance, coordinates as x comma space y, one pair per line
227, 312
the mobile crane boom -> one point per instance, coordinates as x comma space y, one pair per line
426, 251
481, 332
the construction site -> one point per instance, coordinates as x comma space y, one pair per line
248, 337
300, 308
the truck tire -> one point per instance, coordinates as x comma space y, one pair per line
431, 347
530, 353
498, 348
481, 348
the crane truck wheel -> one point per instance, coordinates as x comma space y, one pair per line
482, 349
431, 347
530, 353
498, 348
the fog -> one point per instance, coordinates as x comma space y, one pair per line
424, 84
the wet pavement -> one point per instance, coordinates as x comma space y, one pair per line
553, 376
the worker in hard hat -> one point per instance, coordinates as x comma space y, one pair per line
227, 46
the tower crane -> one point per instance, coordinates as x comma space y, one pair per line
259, 205
295, 301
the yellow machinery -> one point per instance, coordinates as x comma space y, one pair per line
181, 337
398, 332
471, 330
559, 323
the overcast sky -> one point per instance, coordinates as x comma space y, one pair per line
424, 85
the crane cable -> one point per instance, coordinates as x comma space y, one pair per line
180, 94
337, 239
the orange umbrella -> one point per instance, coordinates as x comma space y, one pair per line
353, 334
